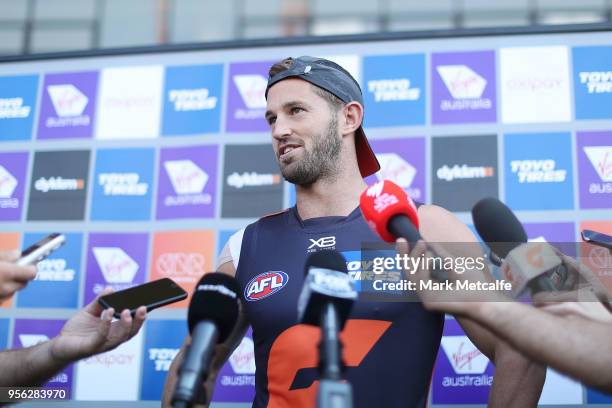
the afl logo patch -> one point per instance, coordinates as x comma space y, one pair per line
265, 284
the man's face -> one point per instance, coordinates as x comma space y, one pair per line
305, 135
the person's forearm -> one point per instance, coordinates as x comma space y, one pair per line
576, 347
518, 381
29, 367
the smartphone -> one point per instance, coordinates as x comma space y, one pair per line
597, 238
151, 294
41, 249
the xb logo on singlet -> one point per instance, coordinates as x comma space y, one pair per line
322, 243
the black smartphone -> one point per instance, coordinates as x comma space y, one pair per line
597, 238
151, 294
41, 249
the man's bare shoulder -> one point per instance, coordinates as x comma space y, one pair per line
437, 224
227, 268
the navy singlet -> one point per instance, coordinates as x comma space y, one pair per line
389, 347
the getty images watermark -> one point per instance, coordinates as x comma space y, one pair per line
472, 272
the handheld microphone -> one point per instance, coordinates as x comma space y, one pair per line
532, 265
213, 312
327, 281
326, 301
391, 213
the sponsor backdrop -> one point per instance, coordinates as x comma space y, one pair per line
150, 162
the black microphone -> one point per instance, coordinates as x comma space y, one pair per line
504, 234
213, 312
327, 281
326, 301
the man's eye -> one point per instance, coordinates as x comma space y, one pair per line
296, 110
271, 121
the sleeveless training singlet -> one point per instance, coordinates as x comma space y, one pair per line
389, 347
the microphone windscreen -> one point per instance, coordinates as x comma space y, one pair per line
382, 201
326, 260
498, 226
216, 298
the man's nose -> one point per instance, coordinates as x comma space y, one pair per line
281, 129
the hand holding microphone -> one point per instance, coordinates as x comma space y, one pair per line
439, 281
533, 265
212, 316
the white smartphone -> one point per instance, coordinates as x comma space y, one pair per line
41, 249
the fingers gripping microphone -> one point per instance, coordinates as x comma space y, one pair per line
524, 264
213, 312
326, 301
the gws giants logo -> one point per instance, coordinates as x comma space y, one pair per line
265, 284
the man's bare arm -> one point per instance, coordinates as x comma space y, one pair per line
90, 331
513, 372
577, 347
29, 367
222, 351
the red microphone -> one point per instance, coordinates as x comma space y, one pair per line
390, 212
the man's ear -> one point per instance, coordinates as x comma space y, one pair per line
352, 115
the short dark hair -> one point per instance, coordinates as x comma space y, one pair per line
332, 100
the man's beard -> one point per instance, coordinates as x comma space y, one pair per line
321, 162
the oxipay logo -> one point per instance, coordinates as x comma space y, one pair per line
252, 89
265, 284
464, 172
8, 183
537, 171
45, 185
14, 108
122, 184
388, 90
191, 100
597, 82
116, 265
252, 179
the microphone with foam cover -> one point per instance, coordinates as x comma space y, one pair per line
390, 212
524, 264
498, 226
212, 316
327, 281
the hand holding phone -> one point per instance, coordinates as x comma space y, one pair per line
597, 238
152, 295
41, 249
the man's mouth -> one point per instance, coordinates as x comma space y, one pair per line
285, 151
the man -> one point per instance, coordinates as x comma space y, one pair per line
570, 332
12, 276
315, 112
91, 331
